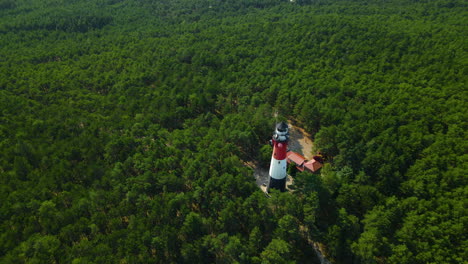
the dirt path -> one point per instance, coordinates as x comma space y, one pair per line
300, 141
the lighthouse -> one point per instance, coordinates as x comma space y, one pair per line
278, 163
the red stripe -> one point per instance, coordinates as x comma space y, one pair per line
279, 150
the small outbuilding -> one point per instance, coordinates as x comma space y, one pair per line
302, 164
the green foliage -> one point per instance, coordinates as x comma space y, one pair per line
265, 155
278, 251
125, 127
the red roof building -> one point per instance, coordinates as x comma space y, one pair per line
313, 165
302, 164
295, 157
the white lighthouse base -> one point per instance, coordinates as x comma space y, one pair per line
278, 174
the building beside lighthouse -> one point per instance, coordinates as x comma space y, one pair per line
302, 164
278, 165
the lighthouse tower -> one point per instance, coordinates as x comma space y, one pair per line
278, 164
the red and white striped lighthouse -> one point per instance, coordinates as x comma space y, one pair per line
278, 163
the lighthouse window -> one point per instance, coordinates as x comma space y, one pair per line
279, 162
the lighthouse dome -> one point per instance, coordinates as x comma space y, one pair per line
282, 126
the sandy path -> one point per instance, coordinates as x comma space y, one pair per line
300, 141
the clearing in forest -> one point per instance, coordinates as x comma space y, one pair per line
299, 141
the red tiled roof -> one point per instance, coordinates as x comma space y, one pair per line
295, 157
313, 165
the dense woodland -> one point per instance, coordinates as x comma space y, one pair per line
125, 127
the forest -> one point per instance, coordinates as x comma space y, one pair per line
126, 127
